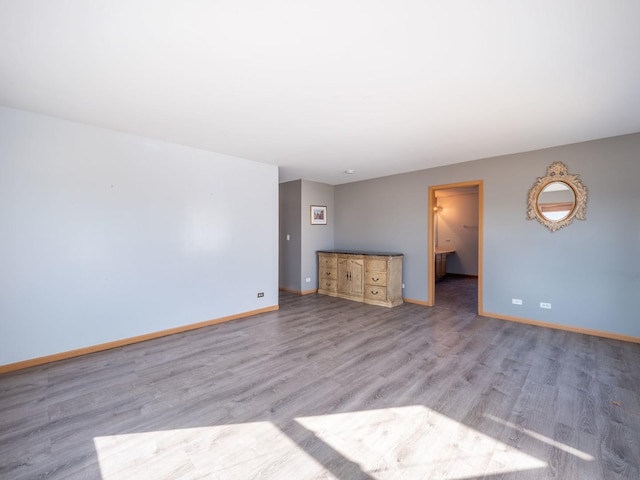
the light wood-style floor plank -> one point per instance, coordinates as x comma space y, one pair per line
325, 388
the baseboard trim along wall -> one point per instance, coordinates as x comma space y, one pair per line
128, 341
567, 328
298, 292
149, 336
417, 302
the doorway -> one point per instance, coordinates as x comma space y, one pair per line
449, 225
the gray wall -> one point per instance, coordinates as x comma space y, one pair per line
107, 236
298, 259
315, 237
387, 214
290, 259
589, 271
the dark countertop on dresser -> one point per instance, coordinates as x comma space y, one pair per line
361, 252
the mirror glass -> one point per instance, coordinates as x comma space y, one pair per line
556, 201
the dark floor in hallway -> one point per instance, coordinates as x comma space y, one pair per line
459, 292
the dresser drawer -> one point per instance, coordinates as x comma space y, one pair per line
328, 273
375, 292
376, 278
328, 285
329, 261
377, 264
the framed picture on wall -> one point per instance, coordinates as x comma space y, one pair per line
318, 215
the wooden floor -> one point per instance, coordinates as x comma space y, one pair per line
457, 292
327, 388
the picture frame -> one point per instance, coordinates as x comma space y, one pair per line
318, 215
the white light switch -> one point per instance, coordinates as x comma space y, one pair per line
288, 237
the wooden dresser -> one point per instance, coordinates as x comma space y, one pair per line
369, 277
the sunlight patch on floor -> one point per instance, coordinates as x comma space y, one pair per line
403, 442
416, 442
225, 452
544, 439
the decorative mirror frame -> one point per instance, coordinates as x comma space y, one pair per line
558, 172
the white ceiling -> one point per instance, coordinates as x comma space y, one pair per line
319, 87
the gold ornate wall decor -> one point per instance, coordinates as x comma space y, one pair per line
557, 198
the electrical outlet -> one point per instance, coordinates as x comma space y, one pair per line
403, 285
260, 294
308, 280
516, 301
545, 305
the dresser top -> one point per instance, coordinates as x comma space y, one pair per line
360, 252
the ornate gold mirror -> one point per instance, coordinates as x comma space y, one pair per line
557, 198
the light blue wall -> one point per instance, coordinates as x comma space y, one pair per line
106, 236
589, 271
